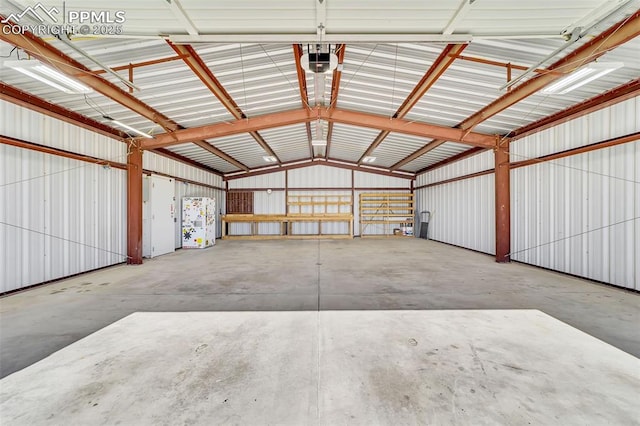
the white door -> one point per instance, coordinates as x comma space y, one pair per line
162, 215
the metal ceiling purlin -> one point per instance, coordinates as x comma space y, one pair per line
613, 37
202, 71
439, 66
141, 64
220, 153
302, 86
50, 55
355, 118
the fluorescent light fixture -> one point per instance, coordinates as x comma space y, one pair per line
38, 71
368, 159
581, 76
318, 142
126, 126
269, 158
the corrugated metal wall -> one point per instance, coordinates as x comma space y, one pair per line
462, 212
561, 211
329, 181
72, 216
73, 212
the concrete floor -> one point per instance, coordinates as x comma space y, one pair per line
479, 367
370, 274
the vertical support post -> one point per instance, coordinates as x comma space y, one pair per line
509, 76
131, 77
134, 204
503, 201
286, 192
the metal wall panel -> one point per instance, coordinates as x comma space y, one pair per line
473, 164
574, 206
370, 180
266, 181
319, 177
161, 164
71, 216
31, 126
462, 212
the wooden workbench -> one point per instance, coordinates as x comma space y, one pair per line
285, 222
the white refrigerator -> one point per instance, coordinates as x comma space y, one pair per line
198, 222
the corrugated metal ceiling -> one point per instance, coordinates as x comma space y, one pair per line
377, 77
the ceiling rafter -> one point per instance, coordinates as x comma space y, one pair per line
141, 64
202, 71
613, 37
302, 86
69, 66
609, 39
418, 153
460, 14
439, 66
285, 118
335, 88
298, 164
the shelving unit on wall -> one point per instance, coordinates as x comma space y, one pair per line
385, 214
321, 210
318, 205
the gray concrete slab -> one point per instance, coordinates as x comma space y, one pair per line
329, 368
370, 274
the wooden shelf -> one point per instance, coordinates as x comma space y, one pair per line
286, 222
318, 205
379, 211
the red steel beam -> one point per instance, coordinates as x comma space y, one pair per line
335, 87
439, 66
318, 161
60, 152
67, 65
400, 125
202, 71
35, 103
285, 118
418, 153
134, 205
502, 183
619, 94
141, 64
613, 37
302, 87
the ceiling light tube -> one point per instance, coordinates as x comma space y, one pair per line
126, 126
269, 158
581, 76
318, 142
368, 159
38, 71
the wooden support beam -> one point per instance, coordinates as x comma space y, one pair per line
503, 202
134, 205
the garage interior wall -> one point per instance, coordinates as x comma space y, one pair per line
311, 180
561, 210
61, 216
